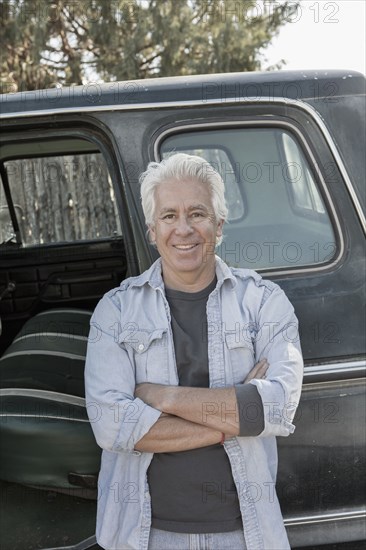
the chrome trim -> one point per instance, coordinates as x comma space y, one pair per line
337, 516
340, 388
335, 368
44, 394
339, 234
144, 106
228, 101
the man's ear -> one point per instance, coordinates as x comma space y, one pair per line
220, 224
152, 234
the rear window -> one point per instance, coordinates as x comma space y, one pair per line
278, 216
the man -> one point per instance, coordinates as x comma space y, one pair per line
192, 370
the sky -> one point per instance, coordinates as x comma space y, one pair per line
322, 35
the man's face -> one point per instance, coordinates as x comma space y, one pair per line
185, 231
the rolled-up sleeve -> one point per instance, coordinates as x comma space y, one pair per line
118, 419
277, 339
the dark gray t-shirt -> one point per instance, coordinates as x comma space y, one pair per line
194, 491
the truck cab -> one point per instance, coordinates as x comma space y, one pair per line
290, 146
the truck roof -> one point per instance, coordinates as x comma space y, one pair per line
294, 85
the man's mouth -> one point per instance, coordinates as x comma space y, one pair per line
185, 246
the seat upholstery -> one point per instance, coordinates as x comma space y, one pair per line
45, 432
48, 353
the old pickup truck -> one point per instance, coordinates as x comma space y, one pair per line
291, 149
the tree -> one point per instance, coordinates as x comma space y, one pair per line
49, 42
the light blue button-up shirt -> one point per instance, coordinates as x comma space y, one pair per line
131, 341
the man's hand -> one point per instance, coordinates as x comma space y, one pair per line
258, 371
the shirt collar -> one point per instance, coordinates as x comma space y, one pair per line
153, 276
224, 273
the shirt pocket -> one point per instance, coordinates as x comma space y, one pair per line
148, 352
240, 355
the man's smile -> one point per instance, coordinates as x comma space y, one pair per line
185, 246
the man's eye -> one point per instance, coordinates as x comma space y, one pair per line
168, 217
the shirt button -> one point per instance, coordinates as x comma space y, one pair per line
141, 347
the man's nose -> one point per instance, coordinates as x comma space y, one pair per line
183, 226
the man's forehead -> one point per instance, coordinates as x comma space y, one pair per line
190, 193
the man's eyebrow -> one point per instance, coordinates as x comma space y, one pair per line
166, 209
198, 206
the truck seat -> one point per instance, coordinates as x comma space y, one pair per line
45, 433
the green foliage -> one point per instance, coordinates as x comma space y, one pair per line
49, 42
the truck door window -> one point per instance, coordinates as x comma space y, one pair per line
277, 215
63, 197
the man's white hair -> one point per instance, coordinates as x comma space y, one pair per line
182, 167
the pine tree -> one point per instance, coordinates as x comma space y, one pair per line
59, 42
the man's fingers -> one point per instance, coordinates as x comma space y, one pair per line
262, 364
258, 371
260, 368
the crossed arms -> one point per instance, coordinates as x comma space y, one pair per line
191, 417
